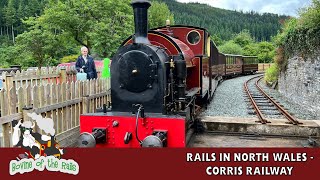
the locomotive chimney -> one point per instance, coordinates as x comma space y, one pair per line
140, 8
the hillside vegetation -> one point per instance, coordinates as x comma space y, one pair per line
298, 37
47, 32
225, 23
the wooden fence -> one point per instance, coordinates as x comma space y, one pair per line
45, 75
51, 96
264, 66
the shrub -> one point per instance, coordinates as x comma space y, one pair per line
272, 73
231, 48
67, 59
299, 36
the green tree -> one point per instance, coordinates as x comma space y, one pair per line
158, 14
299, 36
10, 17
38, 46
225, 23
243, 38
217, 40
113, 27
310, 16
266, 52
251, 49
231, 47
97, 24
6, 54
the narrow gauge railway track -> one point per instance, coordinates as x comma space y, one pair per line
263, 104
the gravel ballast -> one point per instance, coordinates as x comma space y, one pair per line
228, 99
298, 111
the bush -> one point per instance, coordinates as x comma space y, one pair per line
310, 17
231, 48
272, 73
299, 36
68, 59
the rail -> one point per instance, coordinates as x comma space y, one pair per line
282, 110
262, 119
260, 115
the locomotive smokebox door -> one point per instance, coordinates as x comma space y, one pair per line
137, 72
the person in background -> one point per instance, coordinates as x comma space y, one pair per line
85, 63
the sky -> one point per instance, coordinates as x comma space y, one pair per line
282, 7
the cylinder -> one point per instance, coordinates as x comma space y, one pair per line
140, 8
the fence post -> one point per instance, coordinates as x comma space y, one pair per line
63, 75
8, 82
25, 111
85, 104
25, 117
11, 90
85, 87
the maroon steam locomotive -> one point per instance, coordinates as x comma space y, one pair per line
160, 79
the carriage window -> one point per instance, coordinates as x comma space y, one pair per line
193, 37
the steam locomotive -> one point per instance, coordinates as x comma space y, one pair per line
160, 80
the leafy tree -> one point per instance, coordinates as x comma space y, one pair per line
97, 24
225, 23
31, 45
217, 40
231, 47
115, 25
6, 56
266, 52
299, 36
10, 17
251, 49
39, 44
158, 14
243, 38
310, 16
